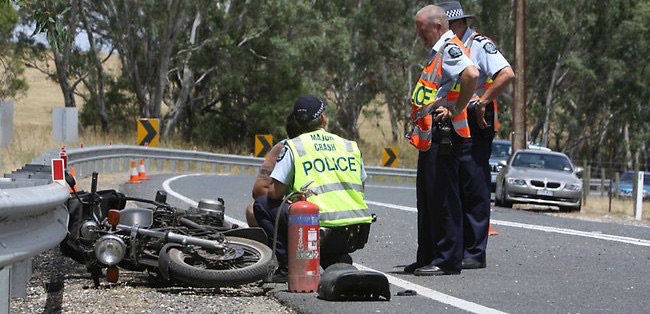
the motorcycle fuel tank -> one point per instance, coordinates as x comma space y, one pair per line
143, 217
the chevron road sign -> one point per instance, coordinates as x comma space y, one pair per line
389, 157
263, 144
148, 132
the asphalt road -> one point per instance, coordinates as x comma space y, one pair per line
537, 264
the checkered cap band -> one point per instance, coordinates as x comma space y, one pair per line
455, 13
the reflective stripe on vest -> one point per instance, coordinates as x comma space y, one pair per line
334, 166
424, 102
480, 90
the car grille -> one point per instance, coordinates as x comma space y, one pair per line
549, 185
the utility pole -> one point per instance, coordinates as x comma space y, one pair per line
519, 104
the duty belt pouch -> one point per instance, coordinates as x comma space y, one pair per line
442, 137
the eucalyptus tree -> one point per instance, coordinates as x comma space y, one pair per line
11, 82
145, 33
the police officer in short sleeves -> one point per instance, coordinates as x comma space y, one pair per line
335, 168
495, 74
450, 77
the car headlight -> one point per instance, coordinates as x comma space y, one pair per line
110, 249
515, 181
573, 186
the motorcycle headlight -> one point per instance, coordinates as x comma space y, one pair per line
110, 249
88, 230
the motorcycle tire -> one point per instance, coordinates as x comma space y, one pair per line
185, 267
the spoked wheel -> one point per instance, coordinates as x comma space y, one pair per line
242, 261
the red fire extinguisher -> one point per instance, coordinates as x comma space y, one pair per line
304, 247
63, 155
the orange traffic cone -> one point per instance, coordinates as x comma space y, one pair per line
142, 172
492, 232
73, 173
134, 173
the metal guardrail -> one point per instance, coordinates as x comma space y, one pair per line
32, 220
117, 158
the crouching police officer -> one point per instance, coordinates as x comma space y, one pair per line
335, 166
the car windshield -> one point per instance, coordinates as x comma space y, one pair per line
628, 177
542, 161
500, 150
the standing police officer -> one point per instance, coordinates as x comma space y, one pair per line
335, 166
495, 74
441, 133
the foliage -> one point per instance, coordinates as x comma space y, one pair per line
11, 83
218, 72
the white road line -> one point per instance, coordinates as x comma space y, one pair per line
190, 201
434, 295
594, 235
421, 290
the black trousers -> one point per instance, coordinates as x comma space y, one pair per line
336, 243
440, 212
475, 180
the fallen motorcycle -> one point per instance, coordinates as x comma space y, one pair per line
193, 246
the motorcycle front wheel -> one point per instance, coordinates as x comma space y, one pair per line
243, 261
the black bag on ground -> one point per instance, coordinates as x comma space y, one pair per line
344, 282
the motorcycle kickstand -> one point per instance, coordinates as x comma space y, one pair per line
95, 273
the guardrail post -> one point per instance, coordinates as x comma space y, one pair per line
602, 181
5, 286
20, 274
638, 195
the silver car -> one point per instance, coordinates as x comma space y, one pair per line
542, 177
500, 152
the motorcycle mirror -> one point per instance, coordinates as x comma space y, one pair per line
161, 197
69, 179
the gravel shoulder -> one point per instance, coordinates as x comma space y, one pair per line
60, 285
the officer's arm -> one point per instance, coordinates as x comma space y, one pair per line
467, 86
501, 80
276, 190
263, 180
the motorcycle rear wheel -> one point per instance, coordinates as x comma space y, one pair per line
191, 266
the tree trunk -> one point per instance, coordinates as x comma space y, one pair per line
101, 103
175, 18
62, 60
549, 100
626, 145
187, 82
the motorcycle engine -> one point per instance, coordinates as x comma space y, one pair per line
212, 211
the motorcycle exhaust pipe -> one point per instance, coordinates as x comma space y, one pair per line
176, 238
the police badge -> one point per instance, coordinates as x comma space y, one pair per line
455, 52
490, 48
282, 153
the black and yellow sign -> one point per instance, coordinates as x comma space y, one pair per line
148, 132
263, 144
389, 157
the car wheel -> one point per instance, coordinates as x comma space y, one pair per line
497, 198
504, 198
